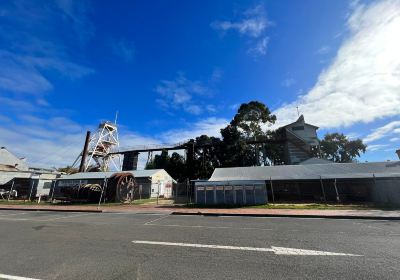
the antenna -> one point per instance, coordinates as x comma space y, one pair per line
116, 117
298, 113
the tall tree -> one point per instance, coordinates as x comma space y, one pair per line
250, 123
207, 154
338, 148
175, 164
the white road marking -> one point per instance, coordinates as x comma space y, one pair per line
12, 277
34, 218
155, 220
11, 219
275, 250
65, 217
6, 215
210, 227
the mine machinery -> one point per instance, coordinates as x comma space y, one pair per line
98, 186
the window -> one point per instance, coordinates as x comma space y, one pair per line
298, 128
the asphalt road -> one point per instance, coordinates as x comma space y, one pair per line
49, 245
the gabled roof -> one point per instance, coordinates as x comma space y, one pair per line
309, 171
101, 175
315, 160
7, 158
300, 120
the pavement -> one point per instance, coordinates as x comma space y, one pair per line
301, 213
155, 245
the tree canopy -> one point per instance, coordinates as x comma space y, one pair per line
238, 146
338, 148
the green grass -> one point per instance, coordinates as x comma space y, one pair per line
21, 202
323, 206
109, 204
303, 206
310, 206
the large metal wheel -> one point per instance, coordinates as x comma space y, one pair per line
121, 187
90, 192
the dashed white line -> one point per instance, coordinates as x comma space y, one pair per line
13, 277
155, 220
275, 250
209, 227
6, 214
65, 217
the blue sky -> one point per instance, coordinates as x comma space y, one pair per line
178, 69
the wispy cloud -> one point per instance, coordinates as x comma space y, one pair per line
323, 50
252, 24
377, 147
209, 126
260, 47
362, 82
183, 94
383, 131
123, 49
288, 82
31, 44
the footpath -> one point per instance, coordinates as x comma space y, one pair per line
251, 212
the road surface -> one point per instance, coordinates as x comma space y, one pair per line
55, 245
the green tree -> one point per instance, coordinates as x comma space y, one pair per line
175, 164
338, 148
207, 154
68, 170
250, 123
177, 167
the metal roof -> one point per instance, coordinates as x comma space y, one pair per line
316, 161
309, 171
102, 175
7, 158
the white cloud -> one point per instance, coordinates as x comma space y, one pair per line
260, 48
362, 83
123, 49
194, 109
382, 132
324, 50
394, 139
183, 94
288, 82
377, 147
210, 126
34, 45
252, 24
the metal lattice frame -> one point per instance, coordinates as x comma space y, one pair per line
102, 147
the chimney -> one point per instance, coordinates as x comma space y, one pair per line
398, 153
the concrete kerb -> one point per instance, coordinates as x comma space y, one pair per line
288, 216
53, 210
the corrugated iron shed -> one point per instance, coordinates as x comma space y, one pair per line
309, 171
102, 175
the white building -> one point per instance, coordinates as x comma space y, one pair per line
16, 174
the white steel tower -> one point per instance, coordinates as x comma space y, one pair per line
102, 146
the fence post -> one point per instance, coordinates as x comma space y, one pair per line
30, 192
79, 188
272, 190
187, 191
337, 193
322, 188
101, 195
12, 187
52, 193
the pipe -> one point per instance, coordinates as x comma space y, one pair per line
84, 152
